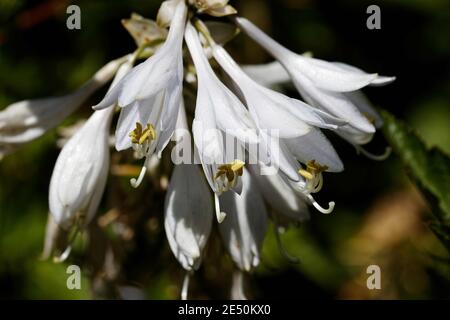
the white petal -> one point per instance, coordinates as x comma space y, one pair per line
315, 146
231, 115
188, 214
80, 171
280, 156
270, 110
245, 226
322, 74
335, 103
27, 120
281, 196
327, 76
269, 74
365, 106
158, 72
378, 81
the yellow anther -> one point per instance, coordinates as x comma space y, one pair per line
231, 170
139, 136
369, 117
305, 174
312, 170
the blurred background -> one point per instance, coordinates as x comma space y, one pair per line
380, 217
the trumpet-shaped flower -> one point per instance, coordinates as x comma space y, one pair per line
27, 120
188, 215
324, 85
218, 112
188, 209
280, 195
80, 173
244, 229
81, 170
271, 110
150, 96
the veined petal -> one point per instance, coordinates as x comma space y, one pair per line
327, 76
231, 115
158, 72
364, 106
269, 74
280, 195
378, 81
270, 110
188, 215
315, 146
335, 103
321, 73
143, 112
29, 119
79, 174
245, 225
280, 156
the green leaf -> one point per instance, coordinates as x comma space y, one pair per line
429, 168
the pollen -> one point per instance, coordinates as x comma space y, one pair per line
369, 118
313, 169
313, 174
231, 170
140, 135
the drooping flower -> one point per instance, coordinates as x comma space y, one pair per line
81, 170
245, 227
188, 211
150, 96
280, 195
271, 110
218, 113
24, 121
325, 85
188, 215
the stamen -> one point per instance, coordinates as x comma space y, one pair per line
371, 156
369, 118
330, 209
313, 175
231, 172
305, 174
63, 256
185, 287
135, 183
220, 215
237, 287
281, 246
141, 136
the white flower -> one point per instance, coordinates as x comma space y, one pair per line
269, 74
80, 173
81, 170
188, 208
188, 214
218, 113
270, 109
275, 112
323, 84
280, 195
244, 229
27, 120
150, 95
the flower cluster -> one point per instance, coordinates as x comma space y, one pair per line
277, 155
